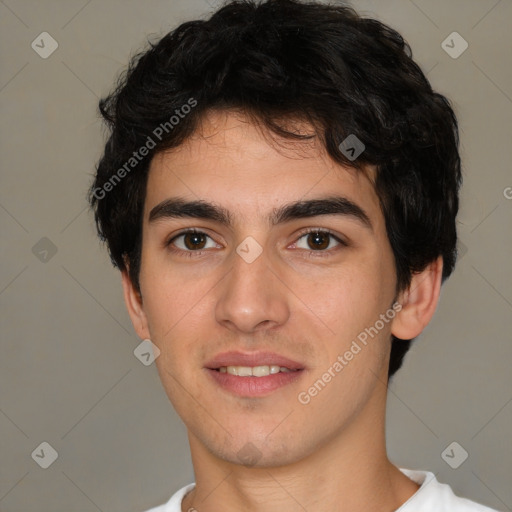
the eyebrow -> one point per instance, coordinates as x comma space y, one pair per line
176, 207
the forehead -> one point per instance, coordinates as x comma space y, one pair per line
234, 161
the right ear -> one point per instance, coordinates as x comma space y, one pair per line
135, 307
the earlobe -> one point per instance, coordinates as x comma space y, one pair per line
134, 305
418, 302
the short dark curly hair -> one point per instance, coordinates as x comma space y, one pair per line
281, 60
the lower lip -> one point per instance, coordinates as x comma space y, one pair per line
253, 386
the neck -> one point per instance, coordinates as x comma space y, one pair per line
348, 473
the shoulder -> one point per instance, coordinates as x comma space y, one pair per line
434, 496
174, 504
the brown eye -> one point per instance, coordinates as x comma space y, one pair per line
318, 241
191, 241
194, 240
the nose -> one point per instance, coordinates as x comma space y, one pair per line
251, 296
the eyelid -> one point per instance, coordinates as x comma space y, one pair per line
168, 241
341, 240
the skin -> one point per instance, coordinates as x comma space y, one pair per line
330, 454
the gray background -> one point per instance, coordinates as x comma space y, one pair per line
68, 373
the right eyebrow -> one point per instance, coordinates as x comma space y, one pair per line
175, 208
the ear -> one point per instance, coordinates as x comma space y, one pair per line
134, 305
418, 302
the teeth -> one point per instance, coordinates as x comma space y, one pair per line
260, 371
254, 371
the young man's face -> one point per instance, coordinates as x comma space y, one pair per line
304, 297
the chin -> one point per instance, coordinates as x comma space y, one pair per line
252, 456
257, 450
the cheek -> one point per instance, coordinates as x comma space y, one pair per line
348, 299
168, 296
179, 314
173, 313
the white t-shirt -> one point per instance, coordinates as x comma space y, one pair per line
432, 496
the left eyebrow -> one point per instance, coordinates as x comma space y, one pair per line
333, 205
177, 207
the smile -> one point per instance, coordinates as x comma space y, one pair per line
254, 371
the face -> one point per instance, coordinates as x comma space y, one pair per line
294, 287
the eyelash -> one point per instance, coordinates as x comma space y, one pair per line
310, 254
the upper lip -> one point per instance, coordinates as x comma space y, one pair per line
252, 359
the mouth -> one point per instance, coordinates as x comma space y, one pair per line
255, 371
254, 374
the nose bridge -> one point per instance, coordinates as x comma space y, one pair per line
251, 297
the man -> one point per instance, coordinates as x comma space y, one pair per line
279, 190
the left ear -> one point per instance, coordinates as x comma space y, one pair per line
418, 302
